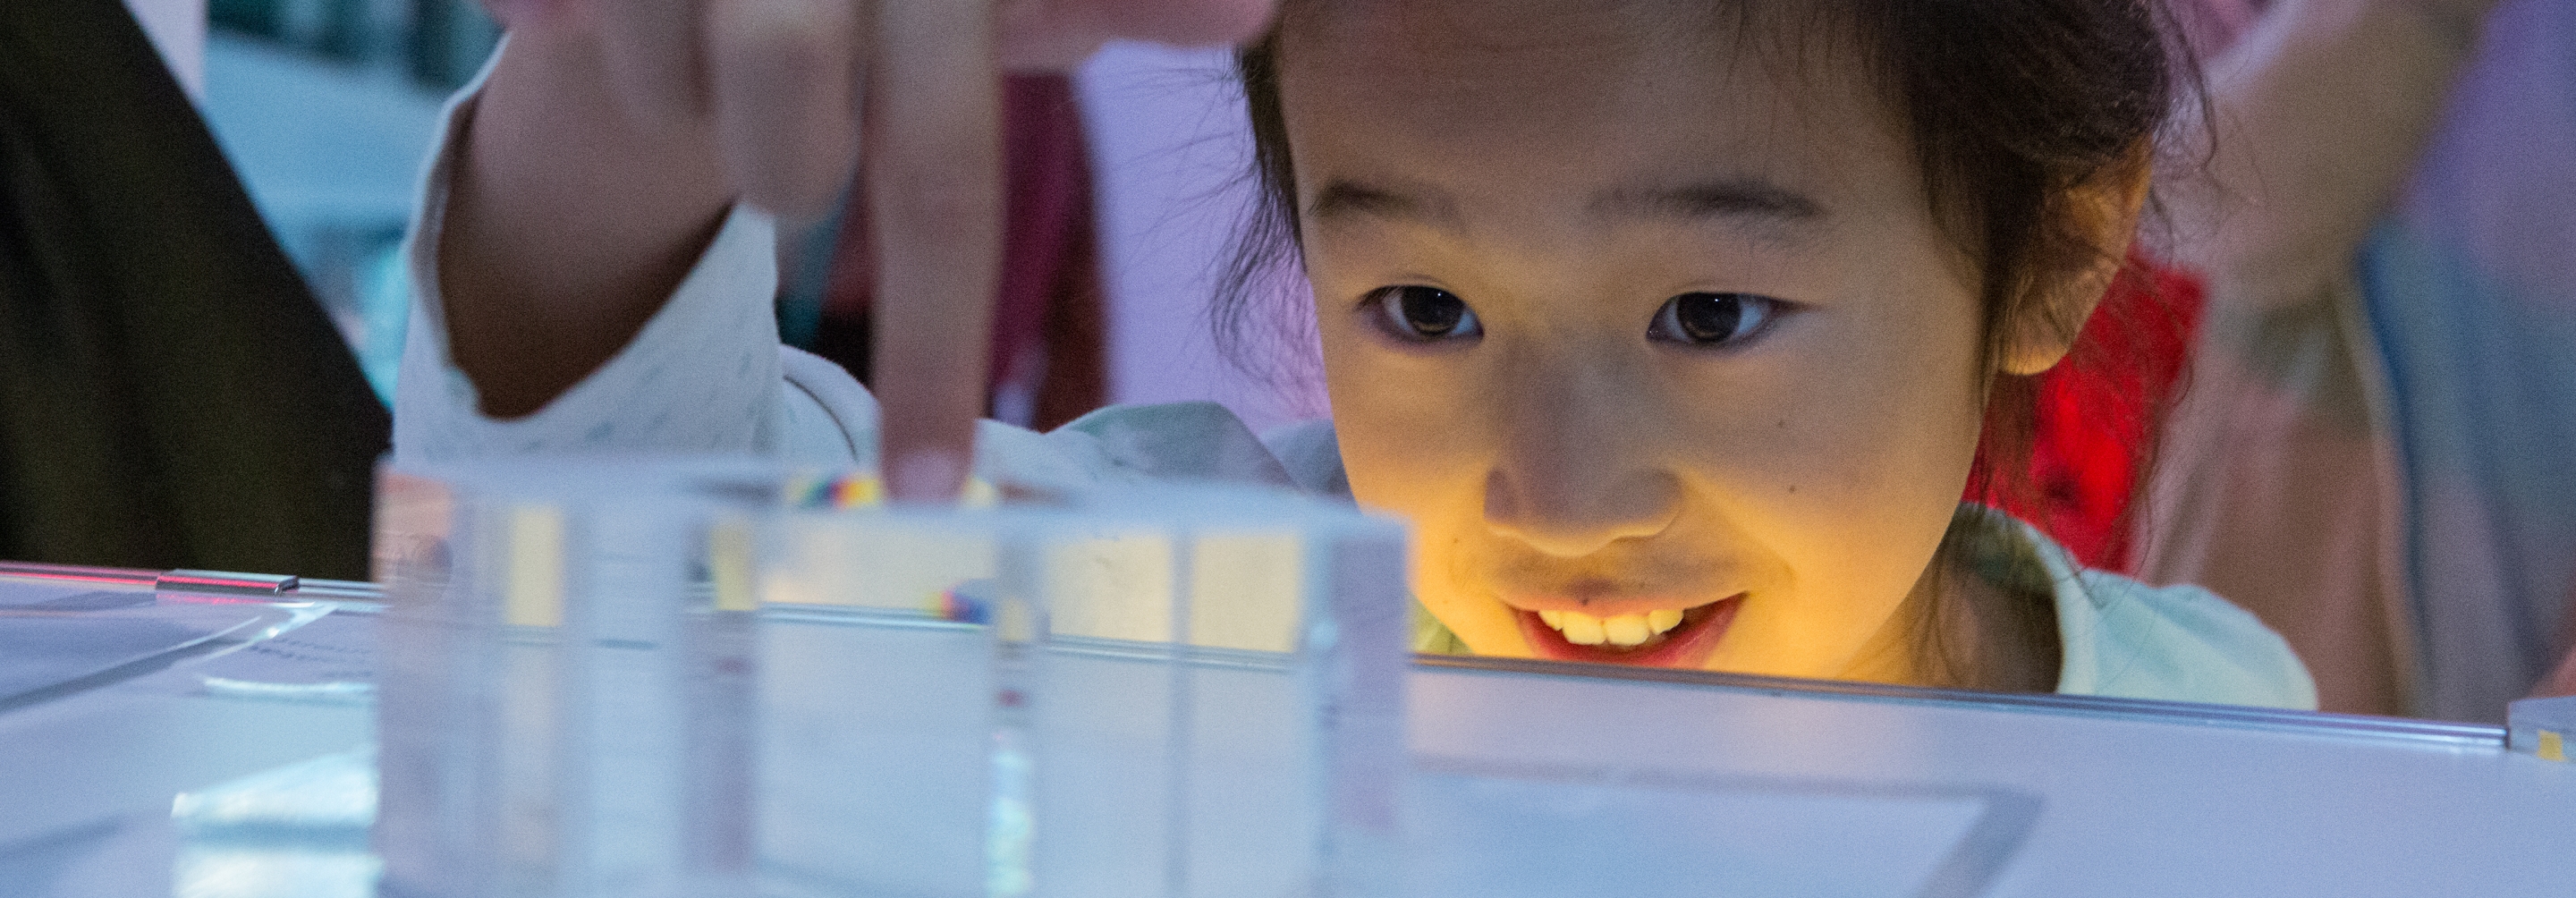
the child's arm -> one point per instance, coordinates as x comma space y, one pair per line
611, 141
2320, 111
568, 223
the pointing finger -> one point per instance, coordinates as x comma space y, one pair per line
934, 185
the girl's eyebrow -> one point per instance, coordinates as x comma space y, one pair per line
1343, 199
1753, 202
1756, 204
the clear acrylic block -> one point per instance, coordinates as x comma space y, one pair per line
1217, 695
876, 703
1163, 691
567, 674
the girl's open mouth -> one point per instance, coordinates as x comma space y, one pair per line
1666, 638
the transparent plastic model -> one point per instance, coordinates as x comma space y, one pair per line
1167, 691
566, 680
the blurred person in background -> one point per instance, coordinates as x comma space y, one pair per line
2375, 450
171, 394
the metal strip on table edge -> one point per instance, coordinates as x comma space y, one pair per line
2444, 732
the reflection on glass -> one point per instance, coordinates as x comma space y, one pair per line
297, 830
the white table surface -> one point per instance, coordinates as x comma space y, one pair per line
2128, 804
1533, 782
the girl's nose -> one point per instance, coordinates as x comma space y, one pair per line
1573, 513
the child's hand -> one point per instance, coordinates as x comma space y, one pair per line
784, 80
770, 93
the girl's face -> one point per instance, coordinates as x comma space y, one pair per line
1653, 338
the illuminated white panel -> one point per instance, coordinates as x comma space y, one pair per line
872, 561
1244, 590
1111, 587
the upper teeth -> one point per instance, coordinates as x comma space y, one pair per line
1624, 630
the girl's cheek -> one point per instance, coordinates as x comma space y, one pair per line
1415, 479
1411, 447
1846, 469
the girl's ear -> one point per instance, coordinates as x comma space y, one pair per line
2104, 216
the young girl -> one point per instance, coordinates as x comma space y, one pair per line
1675, 329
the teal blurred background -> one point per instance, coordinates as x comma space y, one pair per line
326, 109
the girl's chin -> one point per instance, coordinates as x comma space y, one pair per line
1687, 645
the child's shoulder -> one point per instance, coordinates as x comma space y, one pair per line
2120, 637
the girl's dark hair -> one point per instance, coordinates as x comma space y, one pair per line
2024, 116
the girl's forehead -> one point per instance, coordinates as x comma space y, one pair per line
1578, 33
1558, 90
1444, 39
1503, 22
1500, 60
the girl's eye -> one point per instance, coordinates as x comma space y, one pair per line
1424, 314
1713, 319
